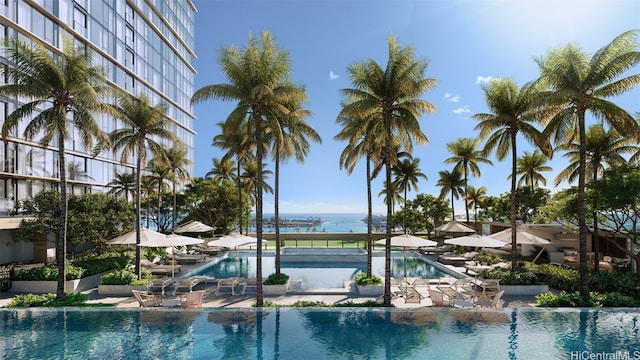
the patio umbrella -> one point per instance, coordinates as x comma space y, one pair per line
171, 241
235, 240
475, 241
522, 237
455, 227
129, 238
193, 226
408, 241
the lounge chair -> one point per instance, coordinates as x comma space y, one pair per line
439, 299
192, 299
476, 267
438, 250
395, 287
252, 285
491, 302
157, 269
188, 258
455, 259
226, 286
208, 250
489, 287
184, 286
146, 299
157, 286
410, 295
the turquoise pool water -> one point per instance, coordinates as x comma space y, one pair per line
329, 273
289, 333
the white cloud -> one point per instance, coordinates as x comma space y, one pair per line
462, 110
452, 98
332, 75
484, 79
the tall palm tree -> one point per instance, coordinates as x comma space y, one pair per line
123, 184
513, 112
61, 85
236, 141
453, 183
361, 144
223, 169
148, 186
473, 199
601, 148
466, 158
579, 83
258, 82
290, 138
143, 126
160, 173
407, 172
176, 160
392, 96
530, 165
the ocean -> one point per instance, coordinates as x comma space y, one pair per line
320, 223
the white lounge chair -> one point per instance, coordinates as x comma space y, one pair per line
192, 299
157, 286
439, 299
491, 302
146, 299
226, 286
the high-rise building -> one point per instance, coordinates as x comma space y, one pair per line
145, 45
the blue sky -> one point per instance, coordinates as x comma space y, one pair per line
467, 42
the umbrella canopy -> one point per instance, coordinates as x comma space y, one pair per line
455, 227
129, 238
522, 237
193, 226
235, 240
171, 240
475, 241
408, 240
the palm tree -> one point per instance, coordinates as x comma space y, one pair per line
391, 95
601, 147
466, 159
123, 184
514, 112
258, 82
360, 145
67, 84
579, 84
236, 141
473, 199
148, 186
176, 160
290, 138
530, 166
407, 173
451, 182
143, 125
223, 169
160, 173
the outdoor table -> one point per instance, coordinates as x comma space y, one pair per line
171, 302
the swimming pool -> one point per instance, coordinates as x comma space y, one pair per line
328, 274
340, 333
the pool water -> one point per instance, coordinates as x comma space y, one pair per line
320, 274
338, 333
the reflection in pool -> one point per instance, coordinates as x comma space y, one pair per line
329, 273
339, 333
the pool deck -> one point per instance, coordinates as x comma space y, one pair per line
348, 294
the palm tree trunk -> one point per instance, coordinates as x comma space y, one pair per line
61, 244
137, 224
387, 247
173, 224
466, 186
404, 208
453, 211
512, 211
276, 177
369, 219
595, 239
239, 196
582, 224
160, 181
259, 294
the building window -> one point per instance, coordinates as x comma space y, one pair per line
128, 14
129, 36
80, 19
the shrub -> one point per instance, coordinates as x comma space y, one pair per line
275, 280
362, 279
508, 277
48, 300
573, 299
120, 277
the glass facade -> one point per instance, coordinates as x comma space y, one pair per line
145, 45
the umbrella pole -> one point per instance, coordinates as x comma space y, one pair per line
539, 253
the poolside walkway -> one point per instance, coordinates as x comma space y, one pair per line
248, 300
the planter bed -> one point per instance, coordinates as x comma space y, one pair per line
45, 287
